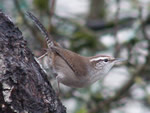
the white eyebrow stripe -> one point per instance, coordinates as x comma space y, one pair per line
99, 58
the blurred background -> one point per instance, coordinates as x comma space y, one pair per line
119, 28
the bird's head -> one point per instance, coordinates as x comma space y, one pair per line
103, 64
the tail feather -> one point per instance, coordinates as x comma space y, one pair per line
48, 37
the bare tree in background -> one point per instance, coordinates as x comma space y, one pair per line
97, 14
97, 10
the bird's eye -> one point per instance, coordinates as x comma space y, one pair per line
105, 60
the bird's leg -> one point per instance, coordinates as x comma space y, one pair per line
58, 90
42, 56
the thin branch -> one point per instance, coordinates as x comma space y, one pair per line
52, 7
117, 45
52, 10
143, 29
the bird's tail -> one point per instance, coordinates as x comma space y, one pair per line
48, 37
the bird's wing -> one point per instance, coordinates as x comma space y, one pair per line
74, 61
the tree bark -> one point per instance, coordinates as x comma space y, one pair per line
24, 86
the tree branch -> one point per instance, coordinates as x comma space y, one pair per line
24, 86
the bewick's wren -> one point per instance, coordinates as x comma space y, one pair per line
72, 69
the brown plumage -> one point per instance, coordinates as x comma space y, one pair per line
69, 57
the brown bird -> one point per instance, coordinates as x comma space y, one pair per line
72, 69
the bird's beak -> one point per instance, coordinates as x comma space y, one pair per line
118, 60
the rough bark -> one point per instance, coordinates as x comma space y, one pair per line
24, 86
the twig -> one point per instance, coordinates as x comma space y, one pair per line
52, 10
117, 46
52, 7
143, 29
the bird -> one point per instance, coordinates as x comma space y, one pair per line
70, 68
